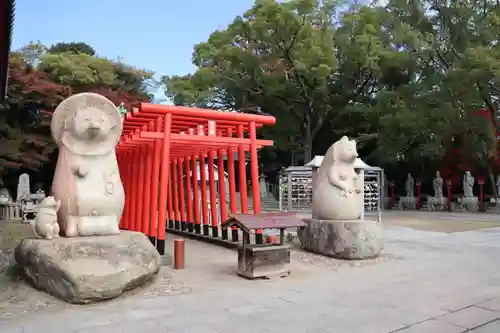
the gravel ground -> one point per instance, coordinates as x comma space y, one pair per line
18, 297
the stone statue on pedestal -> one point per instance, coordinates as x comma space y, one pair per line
468, 202
438, 185
468, 184
409, 200
498, 186
438, 200
336, 229
410, 186
88, 199
87, 127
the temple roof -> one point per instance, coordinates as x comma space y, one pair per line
6, 27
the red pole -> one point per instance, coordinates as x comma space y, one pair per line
242, 173
222, 189
171, 215
140, 186
419, 186
181, 195
204, 201
134, 196
393, 195
175, 195
147, 188
155, 181
179, 254
448, 186
254, 167
232, 185
130, 180
164, 172
189, 196
213, 194
196, 196
231, 176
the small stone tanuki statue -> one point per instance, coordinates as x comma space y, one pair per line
338, 191
410, 186
45, 224
468, 184
438, 185
87, 127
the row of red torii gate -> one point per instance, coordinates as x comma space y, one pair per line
159, 154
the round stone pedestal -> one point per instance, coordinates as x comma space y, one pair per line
357, 239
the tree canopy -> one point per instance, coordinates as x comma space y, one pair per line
41, 77
406, 79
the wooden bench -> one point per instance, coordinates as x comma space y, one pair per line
263, 260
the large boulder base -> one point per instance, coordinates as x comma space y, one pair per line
89, 269
357, 239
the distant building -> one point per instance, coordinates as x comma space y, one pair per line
6, 27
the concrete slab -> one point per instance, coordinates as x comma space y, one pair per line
423, 281
493, 327
470, 317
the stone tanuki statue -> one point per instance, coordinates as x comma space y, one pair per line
45, 224
438, 185
87, 127
336, 228
87, 200
338, 189
468, 184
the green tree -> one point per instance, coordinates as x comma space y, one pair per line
38, 81
75, 47
297, 62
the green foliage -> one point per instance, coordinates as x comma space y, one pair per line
78, 47
39, 79
404, 78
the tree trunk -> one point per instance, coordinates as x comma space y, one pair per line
309, 140
492, 182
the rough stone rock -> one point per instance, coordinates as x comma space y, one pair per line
89, 269
355, 239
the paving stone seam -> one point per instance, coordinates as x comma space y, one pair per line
449, 312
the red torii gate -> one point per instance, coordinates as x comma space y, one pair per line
163, 142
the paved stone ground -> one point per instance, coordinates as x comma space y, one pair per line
425, 282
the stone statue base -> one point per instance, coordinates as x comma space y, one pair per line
89, 269
470, 204
355, 239
437, 203
408, 203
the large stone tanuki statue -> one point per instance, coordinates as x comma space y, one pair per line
338, 191
335, 228
95, 261
87, 127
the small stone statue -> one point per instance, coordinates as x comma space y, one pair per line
39, 189
338, 191
87, 127
438, 185
5, 196
468, 184
45, 225
498, 185
410, 186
